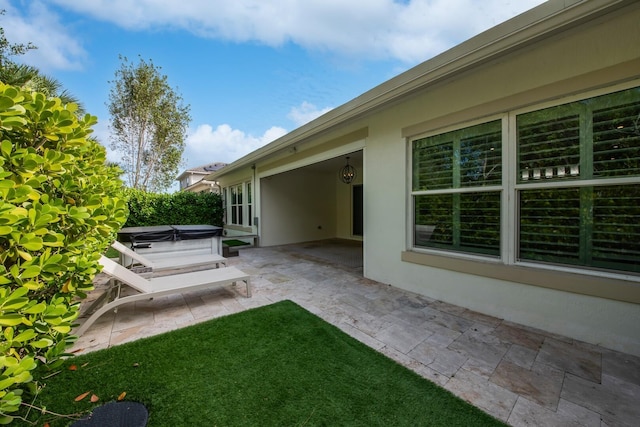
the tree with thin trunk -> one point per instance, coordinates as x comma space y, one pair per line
148, 125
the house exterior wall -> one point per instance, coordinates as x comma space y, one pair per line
318, 205
307, 203
572, 62
598, 54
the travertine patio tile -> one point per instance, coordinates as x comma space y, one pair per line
616, 401
439, 340
512, 333
480, 318
208, 311
409, 300
402, 337
447, 308
94, 338
399, 357
484, 329
571, 358
431, 375
481, 346
367, 323
175, 302
381, 306
254, 302
620, 365
521, 356
360, 336
131, 316
541, 384
443, 360
130, 334
441, 330
482, 367
316, 277
175, 316
451, 321
275, 277
409, 315
526, 414
232, 305
478, 391
352, 300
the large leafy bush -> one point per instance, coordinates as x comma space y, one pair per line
59, 209
173, 209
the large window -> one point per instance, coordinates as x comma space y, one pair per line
579, 198
569, 191
239, 205
457, 178
236, 204
249, 205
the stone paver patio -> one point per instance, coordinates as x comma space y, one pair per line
523, 376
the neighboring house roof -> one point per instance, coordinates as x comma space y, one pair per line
193, 179
203, 170
516, 33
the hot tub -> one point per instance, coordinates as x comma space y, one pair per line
167, 239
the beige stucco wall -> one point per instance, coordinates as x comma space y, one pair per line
586, 58
595, 55
297, 206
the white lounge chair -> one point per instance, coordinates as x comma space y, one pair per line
165, 285
170, 261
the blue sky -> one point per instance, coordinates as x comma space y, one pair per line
251, 70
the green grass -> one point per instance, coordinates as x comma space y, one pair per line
277, 365
112, 253
234, 242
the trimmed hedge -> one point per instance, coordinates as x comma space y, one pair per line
182, 208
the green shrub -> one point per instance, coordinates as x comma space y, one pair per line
181, 208
59, 209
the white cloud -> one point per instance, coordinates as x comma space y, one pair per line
410, 31
56, 48
224, 144
205, 144
305, 113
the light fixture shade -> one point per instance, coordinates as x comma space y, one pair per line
348, 173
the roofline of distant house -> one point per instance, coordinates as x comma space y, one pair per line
201, 183
191, 172
526, 28
196, 171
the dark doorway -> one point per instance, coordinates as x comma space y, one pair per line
358, 210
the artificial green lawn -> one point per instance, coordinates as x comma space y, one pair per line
277, 365
234, 242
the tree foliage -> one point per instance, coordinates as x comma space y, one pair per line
8, 49
148, 125
59, 209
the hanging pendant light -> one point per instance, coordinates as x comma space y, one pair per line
348, 173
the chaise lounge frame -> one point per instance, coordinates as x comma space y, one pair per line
170, 261
165, 285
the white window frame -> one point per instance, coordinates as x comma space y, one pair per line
501, 188
509, 210
245, 205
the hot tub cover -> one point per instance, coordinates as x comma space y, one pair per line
167, 233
